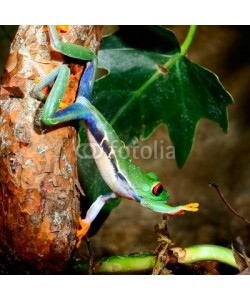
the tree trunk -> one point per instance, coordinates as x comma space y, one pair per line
39, 189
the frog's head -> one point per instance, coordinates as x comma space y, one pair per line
151, 194
151, 189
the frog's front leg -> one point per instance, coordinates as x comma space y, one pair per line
60, 77
69, 49
77, 52
91, 214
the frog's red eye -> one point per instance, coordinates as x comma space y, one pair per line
157, 189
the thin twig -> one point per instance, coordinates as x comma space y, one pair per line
91, 255
215, 185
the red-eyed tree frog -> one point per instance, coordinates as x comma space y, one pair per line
124, 178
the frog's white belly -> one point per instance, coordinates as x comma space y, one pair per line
106, 168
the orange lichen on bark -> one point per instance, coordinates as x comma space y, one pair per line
39, 198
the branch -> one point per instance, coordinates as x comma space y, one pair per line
38, 177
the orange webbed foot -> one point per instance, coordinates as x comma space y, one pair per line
63, 28
191, 206
59, 28
83, 231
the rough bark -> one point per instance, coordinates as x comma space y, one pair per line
39, 189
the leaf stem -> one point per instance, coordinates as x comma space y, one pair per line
189, 38
144, 262
205, 252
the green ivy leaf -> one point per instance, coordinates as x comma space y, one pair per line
150, 83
